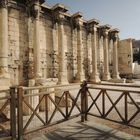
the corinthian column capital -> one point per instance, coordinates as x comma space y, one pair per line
105, 30
93, 25
35, 10
114, 34
3, 3
77, 19
59, 11
60, 17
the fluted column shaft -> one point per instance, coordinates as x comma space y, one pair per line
37, 65
37, 49
80, 70
4, 40
115, 59
63, 78
95, 74
106, 74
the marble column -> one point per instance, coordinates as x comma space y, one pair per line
62, 78
106, 73
36, 14
100, 55
80, 76
4, 40
95, 75
115, 55
34, 67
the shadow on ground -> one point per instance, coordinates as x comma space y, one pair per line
85, 131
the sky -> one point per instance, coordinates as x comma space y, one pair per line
121, 14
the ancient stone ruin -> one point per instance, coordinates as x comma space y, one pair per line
38, 42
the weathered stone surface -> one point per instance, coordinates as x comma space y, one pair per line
47, 82
48, 46
125, 56
51, 43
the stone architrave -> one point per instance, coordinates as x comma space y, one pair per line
106, 73
93, 27
114, 35
62, 78
4, 75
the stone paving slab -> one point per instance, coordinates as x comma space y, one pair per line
89, 130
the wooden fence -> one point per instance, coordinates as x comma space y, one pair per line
115, 103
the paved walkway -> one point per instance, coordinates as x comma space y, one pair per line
89, 130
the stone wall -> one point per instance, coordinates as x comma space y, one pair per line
125, 55
18, 45
48, 42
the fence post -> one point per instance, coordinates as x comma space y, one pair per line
103, 103
46, 108
20, 113
66, 100
84, 101
126, 107
13, 112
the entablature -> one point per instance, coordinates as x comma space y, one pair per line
59, 13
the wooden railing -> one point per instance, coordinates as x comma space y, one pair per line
119, 104
116, 103
38, 120
5, 113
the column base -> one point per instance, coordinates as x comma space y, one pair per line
63, 80
31, 82
79, 78
95, 78
116, 76
106, 77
